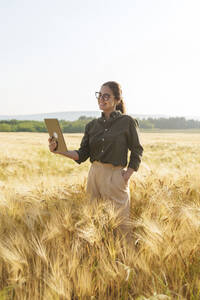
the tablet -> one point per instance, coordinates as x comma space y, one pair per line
55, 131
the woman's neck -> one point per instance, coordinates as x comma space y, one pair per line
107, 114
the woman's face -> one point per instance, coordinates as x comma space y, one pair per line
107, 101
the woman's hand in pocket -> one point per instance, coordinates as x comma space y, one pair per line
127, 174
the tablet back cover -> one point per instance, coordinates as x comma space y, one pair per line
55, 131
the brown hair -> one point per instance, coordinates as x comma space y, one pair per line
117, 92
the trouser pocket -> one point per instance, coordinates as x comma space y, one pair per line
124, 183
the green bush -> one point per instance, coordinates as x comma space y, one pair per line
5, 127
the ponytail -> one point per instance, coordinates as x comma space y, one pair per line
121, 107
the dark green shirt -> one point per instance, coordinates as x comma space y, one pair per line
108, 141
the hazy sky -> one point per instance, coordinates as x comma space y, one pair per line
54, 55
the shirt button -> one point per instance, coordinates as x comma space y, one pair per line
106, 129
101, 150
104, 120
103, 139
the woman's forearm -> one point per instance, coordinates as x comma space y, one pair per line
70, 154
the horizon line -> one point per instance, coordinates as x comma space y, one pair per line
96, 111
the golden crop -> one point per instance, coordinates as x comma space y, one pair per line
56, 245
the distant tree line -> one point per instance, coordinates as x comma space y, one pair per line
39, 126
79, 125
169, 123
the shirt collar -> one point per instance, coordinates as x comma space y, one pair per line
114, 114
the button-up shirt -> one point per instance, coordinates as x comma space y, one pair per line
108, 141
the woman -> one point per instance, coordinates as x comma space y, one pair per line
106, 142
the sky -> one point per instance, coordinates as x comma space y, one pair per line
54, 55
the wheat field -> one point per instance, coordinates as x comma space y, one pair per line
56, 245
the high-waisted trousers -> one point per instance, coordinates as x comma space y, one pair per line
106, 181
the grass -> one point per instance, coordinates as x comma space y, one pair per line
55, 244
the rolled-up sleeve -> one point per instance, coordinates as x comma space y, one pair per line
84, 151
134, 146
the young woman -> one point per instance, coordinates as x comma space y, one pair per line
106, 142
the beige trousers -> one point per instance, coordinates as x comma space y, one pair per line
106, 181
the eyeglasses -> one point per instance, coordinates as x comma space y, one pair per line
105, 97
